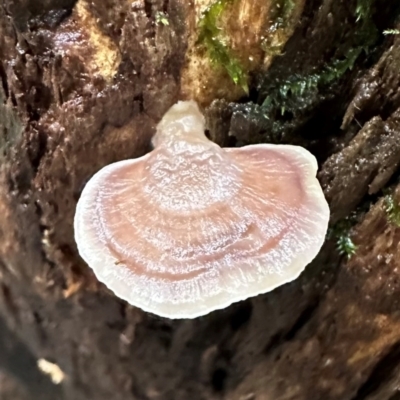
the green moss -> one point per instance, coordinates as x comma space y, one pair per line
296, 92
367, 32
161, 18
211, 37
341, 233
281, 16
392, 209
346, 246
391, 32
298, 86
363, 9
282, 12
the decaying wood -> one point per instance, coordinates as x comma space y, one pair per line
82, 85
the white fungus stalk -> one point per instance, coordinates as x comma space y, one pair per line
192, 227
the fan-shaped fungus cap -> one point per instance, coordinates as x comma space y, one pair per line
190, 227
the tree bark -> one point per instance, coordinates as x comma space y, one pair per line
83, 84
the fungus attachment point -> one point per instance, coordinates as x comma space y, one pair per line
191, 227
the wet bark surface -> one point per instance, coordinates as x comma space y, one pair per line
83, 85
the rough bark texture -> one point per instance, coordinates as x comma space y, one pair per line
83, 85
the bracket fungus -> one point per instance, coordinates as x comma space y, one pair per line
191, 227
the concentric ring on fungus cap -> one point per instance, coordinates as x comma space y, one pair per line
191, 227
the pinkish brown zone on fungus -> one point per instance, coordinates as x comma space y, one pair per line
191, 227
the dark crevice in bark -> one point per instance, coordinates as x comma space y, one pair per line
40, 146
304, 318
13, 99
220, 371
120, 322
3, 79
148, 8
32, 15
9, 301
218, 379
138, 101
165, 6
381, 373
242, 315
281, 337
